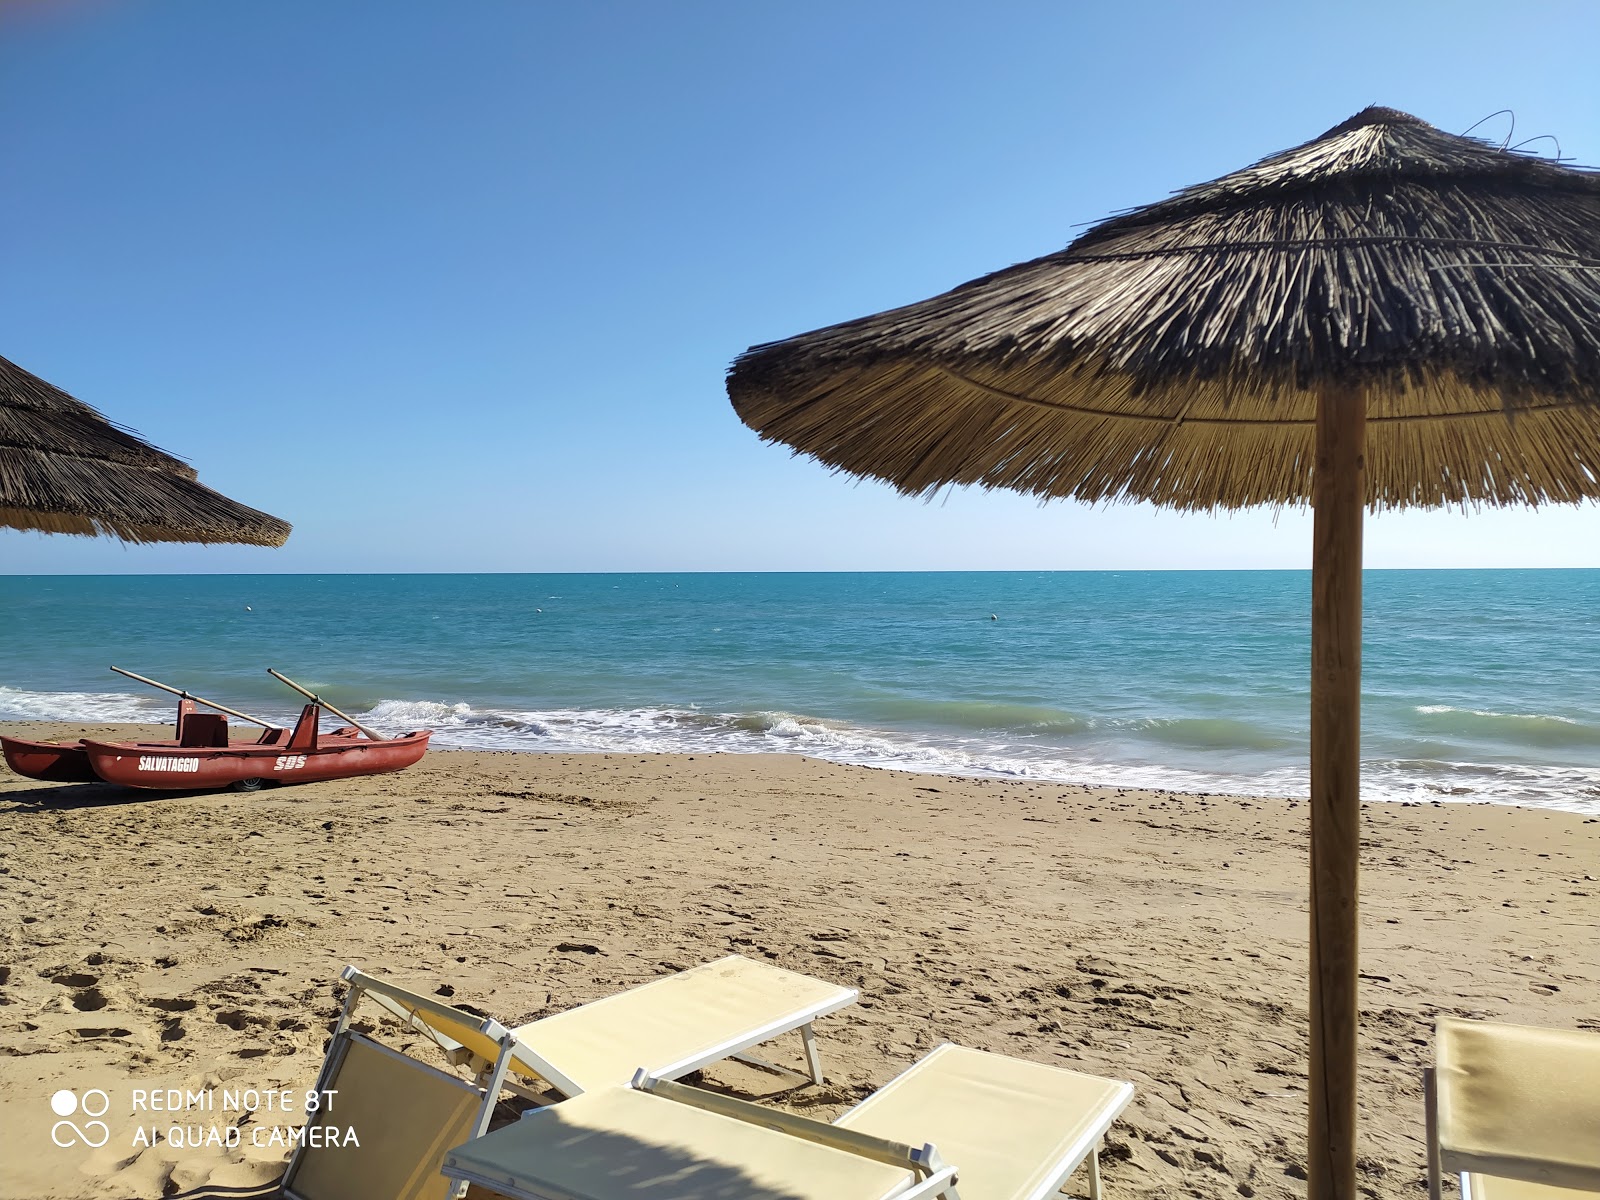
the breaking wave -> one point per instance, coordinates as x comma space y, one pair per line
1018, 756
19, 705
1121, 752
1528, 729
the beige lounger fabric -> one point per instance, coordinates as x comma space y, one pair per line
1520, 1102
672, 1025
405, 1115
1010, 1128
615, 1143
1485, 1187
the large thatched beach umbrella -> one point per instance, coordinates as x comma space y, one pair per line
65, 469
1388, 316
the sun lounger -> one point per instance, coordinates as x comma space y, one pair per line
683, 1022
1015, 1130
1022, 1127
678, 1024
1515, 1110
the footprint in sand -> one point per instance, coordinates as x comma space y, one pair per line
72, 979
89, 999
92, 1034
234, 1018
84, 995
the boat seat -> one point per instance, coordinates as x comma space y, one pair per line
205, 730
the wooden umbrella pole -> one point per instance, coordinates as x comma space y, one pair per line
1339, 498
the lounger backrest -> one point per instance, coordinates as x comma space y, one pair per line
385, 1134
1519, 1102
1014, 1130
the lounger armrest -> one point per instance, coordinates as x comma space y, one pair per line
454, 1052
382, 989
424, 1013
924, 1160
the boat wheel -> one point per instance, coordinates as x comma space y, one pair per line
253, 784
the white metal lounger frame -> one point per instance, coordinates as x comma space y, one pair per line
1440, 1160
1076, 1156
491, 1077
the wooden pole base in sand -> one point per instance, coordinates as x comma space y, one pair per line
1338, 497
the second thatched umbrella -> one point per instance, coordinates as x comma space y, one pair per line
65, 469
1387, 316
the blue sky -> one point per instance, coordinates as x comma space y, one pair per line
453, 286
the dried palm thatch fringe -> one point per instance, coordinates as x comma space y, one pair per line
1175, 353
65, 469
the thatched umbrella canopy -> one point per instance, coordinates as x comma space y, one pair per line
1387, 316
65, 469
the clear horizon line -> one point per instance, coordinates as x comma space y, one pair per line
736, 571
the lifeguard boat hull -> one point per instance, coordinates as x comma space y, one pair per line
50, 761
166, 766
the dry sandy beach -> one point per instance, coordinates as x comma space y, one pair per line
194, 941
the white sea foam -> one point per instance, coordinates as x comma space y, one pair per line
1016, 756
691, 731
19, 705
402, 716
1435, 709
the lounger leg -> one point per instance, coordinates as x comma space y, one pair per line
491, 1090
1430, 1118
813, 1059
492, 1081
1094, 1174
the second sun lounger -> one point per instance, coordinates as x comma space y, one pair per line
1010, 1130
619, 1143
1014, 1130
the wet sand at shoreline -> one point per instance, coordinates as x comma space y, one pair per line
194, 940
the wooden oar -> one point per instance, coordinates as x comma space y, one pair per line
316, 699
232, 712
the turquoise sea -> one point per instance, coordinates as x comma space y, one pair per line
1480, 685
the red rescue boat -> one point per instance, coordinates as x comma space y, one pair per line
201, 757
52, 762
204, 760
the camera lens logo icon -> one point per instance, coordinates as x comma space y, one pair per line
94, 1103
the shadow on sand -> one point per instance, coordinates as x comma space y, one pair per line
61, 797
